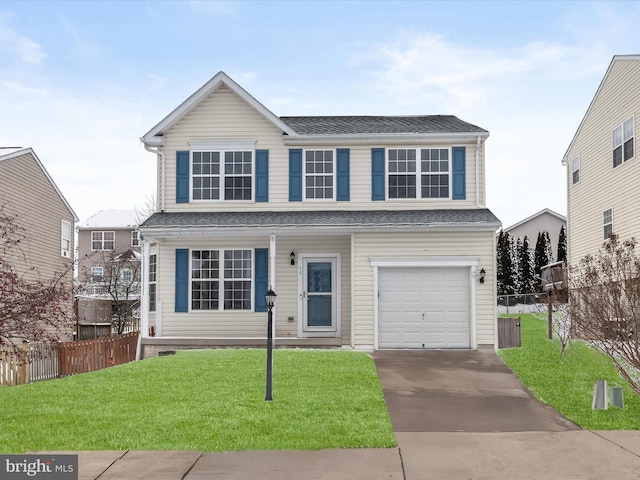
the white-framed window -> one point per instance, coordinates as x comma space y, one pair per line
221, 279
607, 223
126, 275
222, 175
103, 240
97, 274
319, 171
153, 266
622, 139
135, 238
575, 170
419, 173
65, 239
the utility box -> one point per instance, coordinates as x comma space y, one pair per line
600, 396
615, 397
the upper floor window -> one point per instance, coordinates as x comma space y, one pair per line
103, 240
419, 173
222, 175
135, 238
319, 174
607, 223
126, 275
623, 142
153, 265
575, 170
65, 239
213, 279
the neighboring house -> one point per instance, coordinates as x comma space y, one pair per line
603, 172
545, 219
108, 265
372, 231
28, 191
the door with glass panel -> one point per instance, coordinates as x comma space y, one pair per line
319, 294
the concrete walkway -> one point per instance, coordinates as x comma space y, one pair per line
456, 415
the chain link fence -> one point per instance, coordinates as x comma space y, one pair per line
523, 303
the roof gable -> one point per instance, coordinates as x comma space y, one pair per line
614, 60
546, 211
29, 151
153, 137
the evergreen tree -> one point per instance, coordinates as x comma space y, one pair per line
528, 282
517, 256
499, 244
543, 254
548, 249
507, 274
562, 245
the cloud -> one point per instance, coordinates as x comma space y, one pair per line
26, 49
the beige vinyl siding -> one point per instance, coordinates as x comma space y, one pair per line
215, 324
25, 190
422, 245
224, 116
601, 186
88, 258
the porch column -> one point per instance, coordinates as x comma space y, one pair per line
272, 276
144, 290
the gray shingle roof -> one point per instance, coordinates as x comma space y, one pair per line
480, 217
353, 125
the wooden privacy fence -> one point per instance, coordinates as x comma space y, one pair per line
91, 355
47, 361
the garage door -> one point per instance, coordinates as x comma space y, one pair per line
424, 308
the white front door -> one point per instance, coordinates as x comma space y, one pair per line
319, 296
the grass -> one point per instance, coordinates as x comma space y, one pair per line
206, 400
566, 383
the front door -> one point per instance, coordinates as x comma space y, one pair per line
319, 295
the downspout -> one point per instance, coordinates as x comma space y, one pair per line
478, 172
161, 194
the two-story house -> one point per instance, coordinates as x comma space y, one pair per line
46, 219
108, 270
603, 172
545, 220
372, 231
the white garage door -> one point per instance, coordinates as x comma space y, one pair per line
424, 308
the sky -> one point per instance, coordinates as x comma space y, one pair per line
81, 82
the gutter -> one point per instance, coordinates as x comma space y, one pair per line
477, 171
163, 176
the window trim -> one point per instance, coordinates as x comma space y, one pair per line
333, 174
575, 170
222, 149
605, 225
95, 275
102, 240
221, 280
418, 173
623, 141
65, 250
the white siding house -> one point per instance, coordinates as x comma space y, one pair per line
333, 213
603, 172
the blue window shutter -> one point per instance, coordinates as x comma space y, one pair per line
182, 279
342, 171
377, 174
262, 175
261, 284
295, 175
459, 170
182, 177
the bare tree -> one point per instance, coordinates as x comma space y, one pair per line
31, 308
118, 283
604, 301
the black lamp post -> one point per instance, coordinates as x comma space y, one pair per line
271, 299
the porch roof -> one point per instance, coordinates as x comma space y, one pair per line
333, 221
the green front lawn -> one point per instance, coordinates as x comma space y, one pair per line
206, 400
566, 383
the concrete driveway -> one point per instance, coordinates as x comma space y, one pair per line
460, 391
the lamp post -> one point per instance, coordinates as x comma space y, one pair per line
271, 298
